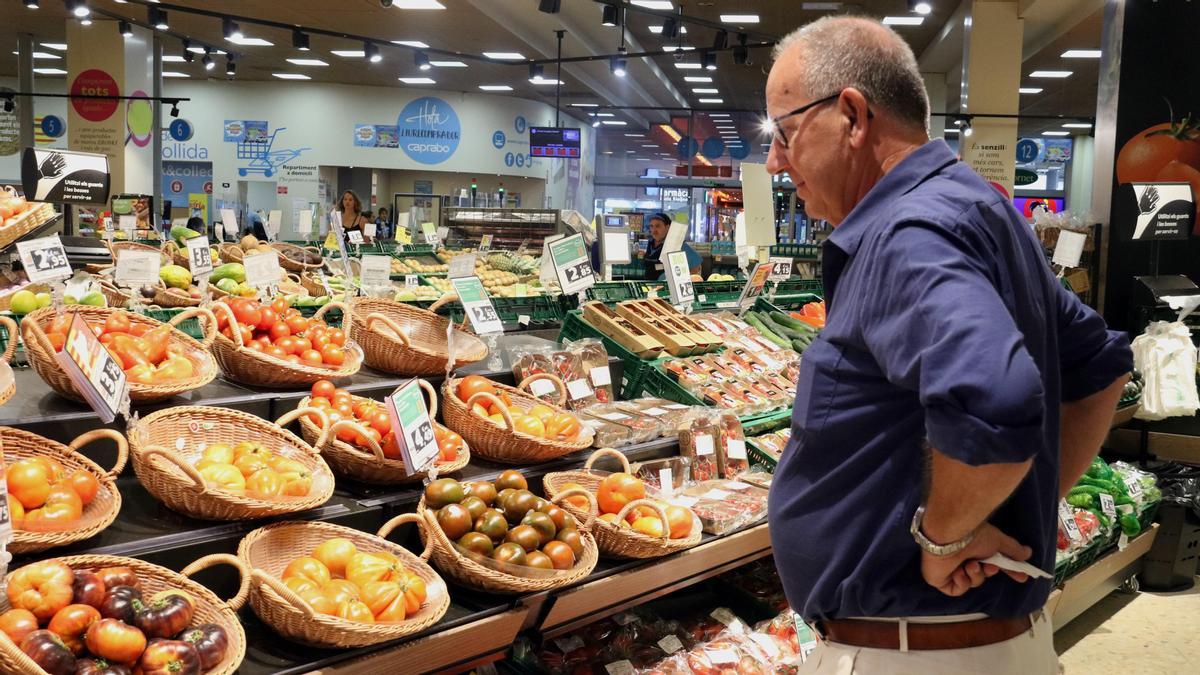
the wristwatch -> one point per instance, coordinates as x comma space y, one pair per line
939, 550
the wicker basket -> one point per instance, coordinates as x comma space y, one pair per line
230, 253
116, 246
245, 365
42, 356
171, 300
168, 474
97, 515
14, 337
208, 608
501, 443
268, 550
405, 340
293, 265
33, 217
614, 540
473, 574
178, 255
114, 296
313, 286
371, 466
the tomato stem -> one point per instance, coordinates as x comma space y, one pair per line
1188, 129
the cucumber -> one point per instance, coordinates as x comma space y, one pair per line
780, 330
758, 325
799, 346
790, 322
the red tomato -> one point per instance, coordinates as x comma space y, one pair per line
323, 389
276, 351
319, 340
268, 319
292, 358
337, 337
17, 623
287, 344
247, 312
256, 346
311, 357
117, 322
279, 329
303, 344
85, 485
380, 421
333, 354
247, 334
279, 305
297, 324
345, 409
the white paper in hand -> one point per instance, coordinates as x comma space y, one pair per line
1006, 563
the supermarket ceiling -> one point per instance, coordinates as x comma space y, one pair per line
457, 35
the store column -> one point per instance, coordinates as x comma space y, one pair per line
991, 77
101, 61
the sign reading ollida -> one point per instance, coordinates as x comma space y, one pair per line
429, 130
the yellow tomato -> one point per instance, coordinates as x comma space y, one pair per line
224, 477
264, 484
335, 553
219, 453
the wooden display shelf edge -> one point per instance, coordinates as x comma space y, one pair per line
1099, 579
605, 597
472, 643
1123, 415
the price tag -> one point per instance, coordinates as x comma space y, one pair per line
655, 412
523, 319
355, 237
199, 256
754, 286
679, 279
6, 525
666, 482
1134, 487
569, 644
1067, 519
1107, 505
670, 644
704, 444
572, 265
676, 406
229, 220
721, 655
523, 247
478, 305
376, 271
44, 259
128, 224
403, 236
443, 234
219, 231
411, 424
411, 281
601, 377
431, 238
485, 243
1069, 248
138, 268
715, 495
274, 223
541, 387
369, 230
93, 370
735, 448
614, 416
686, 502
724, 616
262, 270
461, 266
736, 485
805, 636
521, 290
622, 667
781, 268
767, 644
305, 225
578, 389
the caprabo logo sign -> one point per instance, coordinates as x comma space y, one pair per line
429, 130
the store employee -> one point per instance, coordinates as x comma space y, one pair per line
955, 393
660, 225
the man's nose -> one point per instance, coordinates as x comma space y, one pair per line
776, 159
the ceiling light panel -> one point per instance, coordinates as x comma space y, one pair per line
657, 30
1082, 54
495, 87
653, 4
411, 43
417, 80
418, 4
251, 42
505, 56
739, 18
174, 73
1029, 90
1056, 74
349, 53
307, 62
903, 20
448, 64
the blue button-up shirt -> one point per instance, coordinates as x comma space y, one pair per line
945, 324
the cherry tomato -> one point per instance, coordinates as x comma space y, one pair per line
337, 337
279, 329
297, 324
333, 355
323, 389
311, 357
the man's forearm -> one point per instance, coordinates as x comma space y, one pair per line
1083, 426
962, 497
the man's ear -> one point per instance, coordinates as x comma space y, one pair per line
852, 105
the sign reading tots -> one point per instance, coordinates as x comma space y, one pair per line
429, 130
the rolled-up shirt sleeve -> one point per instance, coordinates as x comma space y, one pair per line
937, 326
1091, 357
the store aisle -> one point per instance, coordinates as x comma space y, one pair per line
1147, 633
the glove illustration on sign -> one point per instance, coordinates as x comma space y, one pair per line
52, 166
1149, 200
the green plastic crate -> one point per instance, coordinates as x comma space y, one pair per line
795, 301
791, 286
656, 382
539, 308
610, 292
707, 287
189, 326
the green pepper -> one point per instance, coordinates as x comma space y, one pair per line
1107, 485
1105, 521
1130, 525
1087, 489
1081, 500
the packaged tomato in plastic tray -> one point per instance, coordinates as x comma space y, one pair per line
534, 360
698, 442
595, 363
758, 477
643, 427
686, 374
731, 446
575, 375
668, 475
607, 434
673, 414
723, 505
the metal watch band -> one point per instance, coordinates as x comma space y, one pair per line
939, 550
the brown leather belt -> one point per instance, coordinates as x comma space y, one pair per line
923, 636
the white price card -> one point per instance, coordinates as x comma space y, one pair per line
654, 412
369, 230
715, 495
1066, 518
572, 264
485, 243
541, 387
1107, 505
666, 482
754, 286
736, 448
462, 265
355, 237
679, 279
601, 377
262, 270
1069, 248
199, 256
376, 271
412, 426
781, 268
411, 281
443, 234
478, 305
128, 224
724, 616
96, 374
670, 644
44, 259
1134, 487
6, 524
578, 389
274, 224
218, 231
229, 220
704, 444
622, 667
137, 268
305, 225
721, 655
614, 416
767, 643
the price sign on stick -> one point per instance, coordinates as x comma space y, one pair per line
478, 305
229, 220
305, 225
355, 237
430, 232
199, 256
274, 224
679, 279
485, 243
461, 266
137, 268
262, 270
376, 271
411, 281
44, 259
754, 286
413, 429
572, 264
1069, 249
1066, 518
781, 268
369, 230
128, 225
93, 371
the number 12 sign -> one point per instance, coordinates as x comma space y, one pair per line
412, 427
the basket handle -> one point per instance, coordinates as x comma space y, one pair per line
331, 434
409, 518
39, 336
445, 299
13, 337
314, 249
293, 415
429, 390
286, 593
235, 327
387, 321
346, 313
496, 402
208, 323
293, 277
169, 247
235, 603
116, 436
559, 386
157, 450
607, 452
593, 508
658, 507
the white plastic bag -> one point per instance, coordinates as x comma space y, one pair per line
1167, 359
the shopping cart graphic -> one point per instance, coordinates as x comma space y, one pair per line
262, 158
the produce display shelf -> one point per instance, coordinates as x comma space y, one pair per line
791, 286
1095, 581
612, 291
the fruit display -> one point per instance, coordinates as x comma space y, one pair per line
440, 284
25, 301
300, 257
521, 265
617, 491
12, 208
785, 330
538, 421
1108, 502
737, 379
146, 353
252, 469
107, 620
43, 496
721, 277
417, 294
280, 331
251, 245
679, 333
772, 444
723, 505
418, 266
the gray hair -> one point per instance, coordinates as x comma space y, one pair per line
842, 51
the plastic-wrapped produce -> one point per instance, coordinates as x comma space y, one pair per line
530, 360
731, 447
607, 434
570, 367
595, 363
698, 442
668, 475
722, 505
643, 427
673, 414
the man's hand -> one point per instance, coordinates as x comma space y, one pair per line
956, 574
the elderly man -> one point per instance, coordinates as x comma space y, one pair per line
956, 391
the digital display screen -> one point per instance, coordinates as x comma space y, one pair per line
553, 142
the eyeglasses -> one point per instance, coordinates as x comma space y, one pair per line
777, 130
